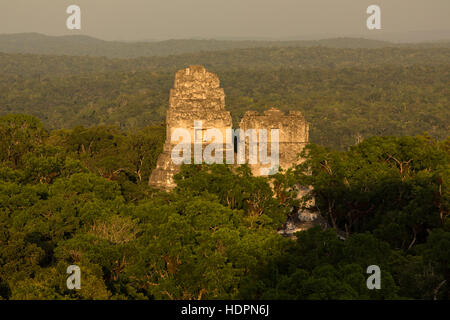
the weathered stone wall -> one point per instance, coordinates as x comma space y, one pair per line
196, 96
293, 134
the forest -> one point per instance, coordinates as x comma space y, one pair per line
80, 135
345, 94
81, 196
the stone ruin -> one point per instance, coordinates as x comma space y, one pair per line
197, 96
293, 134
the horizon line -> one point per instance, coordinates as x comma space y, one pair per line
305, 38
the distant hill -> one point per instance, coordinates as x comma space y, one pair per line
79, 45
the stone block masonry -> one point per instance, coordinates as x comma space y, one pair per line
197, 96
293, 134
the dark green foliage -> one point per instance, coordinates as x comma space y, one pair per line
81, 196
320, 266
395, 187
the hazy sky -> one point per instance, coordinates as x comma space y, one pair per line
163, 19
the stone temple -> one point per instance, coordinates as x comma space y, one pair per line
197, 96
293, 134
